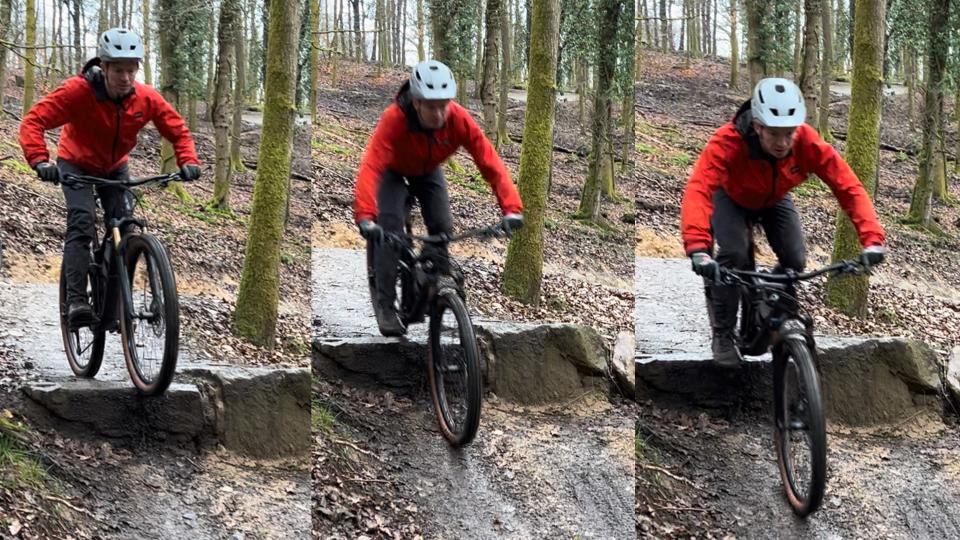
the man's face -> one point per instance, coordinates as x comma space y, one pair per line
120, 76
432, 112
776, 141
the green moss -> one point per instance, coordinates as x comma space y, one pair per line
645, 148
17, 165
679, 159
332, 148
321, 418
813, 187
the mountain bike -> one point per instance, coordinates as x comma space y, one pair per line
771, 320
431, 284
133, 290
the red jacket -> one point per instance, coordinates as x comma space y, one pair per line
399, 144
98, 133
729, 162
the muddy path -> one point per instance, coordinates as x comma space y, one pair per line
721, 478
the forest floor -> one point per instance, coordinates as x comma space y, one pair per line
889, 482
81, 487
380, 467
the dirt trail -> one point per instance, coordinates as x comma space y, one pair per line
898, 482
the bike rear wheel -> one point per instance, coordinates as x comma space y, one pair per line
151, 337
800, 430
454, 368
83, 346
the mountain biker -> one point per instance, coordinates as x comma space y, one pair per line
742, 177
101, 110
414, 137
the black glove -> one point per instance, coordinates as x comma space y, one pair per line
371, 231
189, 172
48, 172
704, 265
873, 255
511, 222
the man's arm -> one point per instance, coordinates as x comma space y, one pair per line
696, 208
489, 163
376, 158
49, 113
172, 128
830, 167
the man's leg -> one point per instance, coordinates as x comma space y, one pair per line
391, 204
782, 226
730, 225
431, 192
81, 230
117, 203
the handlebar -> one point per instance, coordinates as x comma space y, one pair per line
73, 179
733, 276
488, 231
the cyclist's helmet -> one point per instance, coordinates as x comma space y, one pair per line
432, 80
119, 44
778, 103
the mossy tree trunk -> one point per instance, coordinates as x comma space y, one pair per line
810, 60
826, 70
222, 105
756, 42
168, 13
523, 270
488, 86
629, 101
849, 293
921, 203
257, 300
147, 74
6, 10
594, 186
30, 55
421, 32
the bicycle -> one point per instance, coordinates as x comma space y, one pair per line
771, 320
147, 317
430, 283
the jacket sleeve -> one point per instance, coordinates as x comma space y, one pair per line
49, 113
696, 208
172, 128
376, 158
830, 167
488, 162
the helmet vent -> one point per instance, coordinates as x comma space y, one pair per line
779, 88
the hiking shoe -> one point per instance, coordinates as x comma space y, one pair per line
389, 322
80, 314
725, 351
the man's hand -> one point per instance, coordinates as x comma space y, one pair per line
704, 265
873, 255
511, 222
189, 172
371, 231
48, 172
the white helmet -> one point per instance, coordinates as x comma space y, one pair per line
778, 103
432, 80
119, 44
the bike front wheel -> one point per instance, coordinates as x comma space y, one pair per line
454, 368
800, 430
83, 346
150, 329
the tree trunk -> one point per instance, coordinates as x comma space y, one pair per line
629, 103
30, 55
147, 75
257, 300
523, 269
809, 77
756, 43
734, 46
6, 10
314, 58
222, 109
211, 64
798, 40
666, 43
849, 293
921, 203
488, 87
609, 13
478, 61
239, 92
421, 31
911, 70
826, 66
503, 137
76, 13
